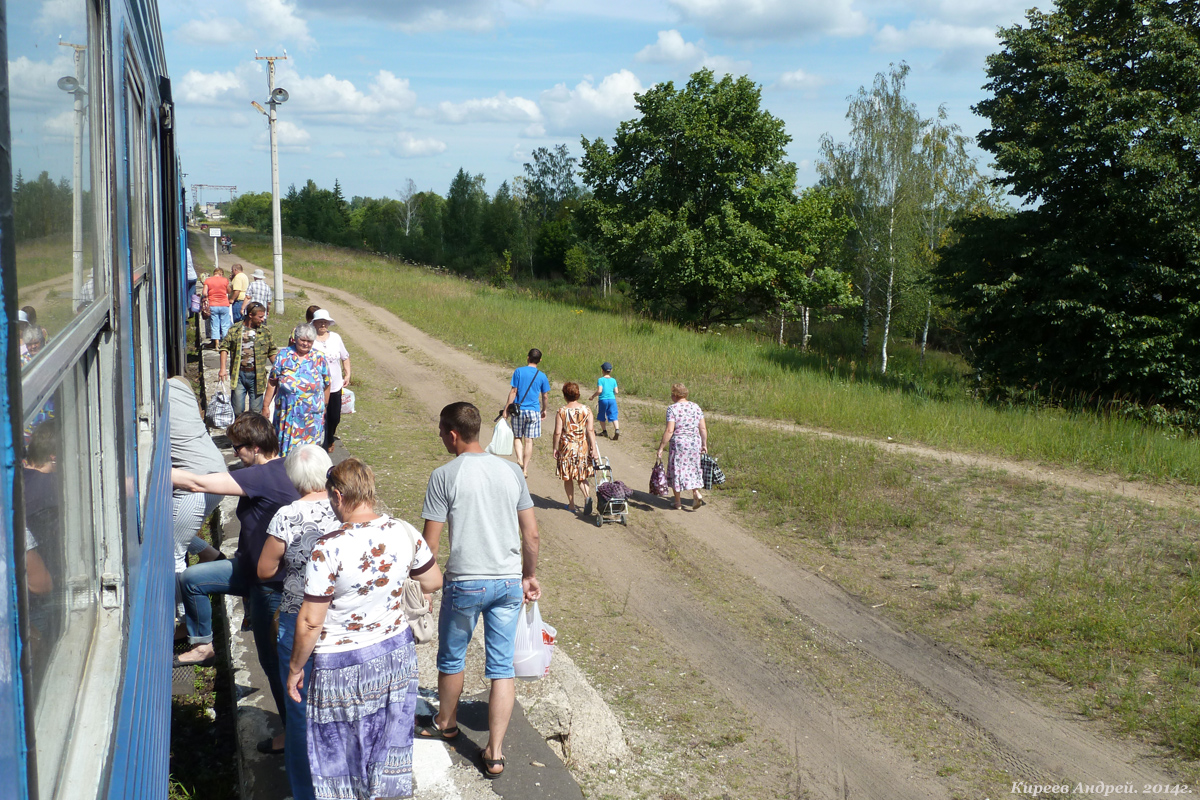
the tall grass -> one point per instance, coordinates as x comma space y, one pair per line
733, 372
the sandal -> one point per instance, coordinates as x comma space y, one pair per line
697, 502
488, 763
677, 505
427, 729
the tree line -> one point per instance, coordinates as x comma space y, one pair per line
1090, 290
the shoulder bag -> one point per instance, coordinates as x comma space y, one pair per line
515, 408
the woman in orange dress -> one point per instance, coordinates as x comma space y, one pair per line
574, 447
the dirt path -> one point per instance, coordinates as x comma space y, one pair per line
840, 752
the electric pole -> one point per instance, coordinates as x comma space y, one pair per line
274, 98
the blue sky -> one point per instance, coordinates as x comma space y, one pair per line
387, 90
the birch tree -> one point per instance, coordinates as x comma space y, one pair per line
410, 209
881, 169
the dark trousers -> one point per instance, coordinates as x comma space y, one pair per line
333, 415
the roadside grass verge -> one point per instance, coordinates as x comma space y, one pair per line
1092, 600
735, 373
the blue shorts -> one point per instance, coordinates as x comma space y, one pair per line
499, 601
527, 424
606, 411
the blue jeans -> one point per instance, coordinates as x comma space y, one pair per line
225, 577
295, 753
219, 321
236, 307
498, 600
244, 386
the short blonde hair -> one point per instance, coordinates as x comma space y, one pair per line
679, 391
355, 481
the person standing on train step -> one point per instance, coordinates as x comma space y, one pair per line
238, 283
250, 342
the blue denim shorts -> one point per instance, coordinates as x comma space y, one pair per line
499, 601
606, 410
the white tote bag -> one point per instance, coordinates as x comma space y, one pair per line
502, 439
534, 644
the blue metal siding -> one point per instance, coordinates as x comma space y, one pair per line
142, 740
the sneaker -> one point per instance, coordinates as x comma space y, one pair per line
604, 434
616, 436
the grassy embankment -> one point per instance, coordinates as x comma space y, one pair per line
1048, 585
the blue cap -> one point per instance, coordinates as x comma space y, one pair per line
606, 366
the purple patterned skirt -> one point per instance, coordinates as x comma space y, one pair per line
361, 707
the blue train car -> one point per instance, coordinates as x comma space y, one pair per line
91, 284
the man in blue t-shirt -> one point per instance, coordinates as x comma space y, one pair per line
529, 389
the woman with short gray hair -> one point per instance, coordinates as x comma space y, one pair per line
293, 531
298, 391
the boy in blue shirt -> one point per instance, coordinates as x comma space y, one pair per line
606, 411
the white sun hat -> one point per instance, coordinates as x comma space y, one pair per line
322, 314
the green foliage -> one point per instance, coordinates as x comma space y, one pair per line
578, 266
688, 202
317, 214
41, 207
252, 210
1094, 117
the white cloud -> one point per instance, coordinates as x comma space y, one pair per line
405, 145
223, 120
212, 88
772, 19
336, 154
280, 19
418, 16
587, 105
60, 126
500, 108
292, 137
800, 80
36, 82
975, 13
328, 95
213, 31
671, 49
59, 13
960, 47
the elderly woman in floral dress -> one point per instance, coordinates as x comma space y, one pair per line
300, 382
688, 436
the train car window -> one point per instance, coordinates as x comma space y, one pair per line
53, 60
138, 166
61, 581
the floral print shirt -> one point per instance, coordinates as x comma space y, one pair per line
299, 526
360, 570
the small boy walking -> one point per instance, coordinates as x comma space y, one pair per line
606, 411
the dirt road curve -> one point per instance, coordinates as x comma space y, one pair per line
841, 754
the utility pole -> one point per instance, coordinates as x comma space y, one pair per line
274, 98
76, 87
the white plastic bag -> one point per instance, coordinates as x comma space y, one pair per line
347, 401
534, 644
502, 439
220, 409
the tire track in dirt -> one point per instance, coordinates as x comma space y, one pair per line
839, 755
1029, 741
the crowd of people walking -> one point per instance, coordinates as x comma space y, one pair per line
322, 570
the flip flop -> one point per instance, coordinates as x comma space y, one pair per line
428, 729
488, 763
267, 747
211, 661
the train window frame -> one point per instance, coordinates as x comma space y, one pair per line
88, 347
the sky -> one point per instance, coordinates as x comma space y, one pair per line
382, 91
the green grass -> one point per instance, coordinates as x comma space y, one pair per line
731, 371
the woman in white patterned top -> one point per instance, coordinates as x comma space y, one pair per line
362, 693
293, 531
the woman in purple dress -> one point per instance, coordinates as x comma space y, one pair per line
688, 437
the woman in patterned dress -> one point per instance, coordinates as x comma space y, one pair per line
300, 381
688, 437
574, 441
362, 691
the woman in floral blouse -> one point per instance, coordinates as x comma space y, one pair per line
300, 381
362, 693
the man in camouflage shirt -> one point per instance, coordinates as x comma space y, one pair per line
250, 342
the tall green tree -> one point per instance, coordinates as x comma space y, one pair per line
687, 201
880, 173
1094, 119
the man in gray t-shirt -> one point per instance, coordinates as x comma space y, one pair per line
493, 557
